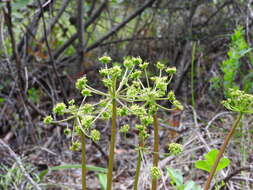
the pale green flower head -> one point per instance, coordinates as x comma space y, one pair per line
48, 120
239, 101
105, 59
75, 146
86, 92
87, 109
175, 148
135, 75
155, 173
138, 110
115, 71
137, 60
71, 102
67, 131
171, 96
128, 63
86, 121
146, 120
177, 105
81, 83
143, 65
59, 109
95, 135
171, 70
160, 66
124, 129
122, 111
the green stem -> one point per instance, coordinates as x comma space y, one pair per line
138, 168
83, 161
156, 149
192, 73
222, 149
112, 146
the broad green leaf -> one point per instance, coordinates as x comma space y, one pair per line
224, 162
102, 178
203, 165
210, 157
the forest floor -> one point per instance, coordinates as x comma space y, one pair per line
197, 131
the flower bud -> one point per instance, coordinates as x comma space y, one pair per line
48, 120
175, 148
105, 59
59, 109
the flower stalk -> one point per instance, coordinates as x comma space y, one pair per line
156, 149
222, 149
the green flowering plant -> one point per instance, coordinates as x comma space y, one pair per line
242, 103
149, 94
129, 91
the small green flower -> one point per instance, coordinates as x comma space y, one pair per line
128, 63
160, 66
86, 121
71, 102
143, 134
78, 129
59, 108
152, 109
239, 101
75, 146
95, 135
122, 111
171, 70
132, 91
81, 83
107, 82
175, 148
140, 127
106, 115
87, 108
137, 60
104, 72
155, 173
115, 71
105, 59
171, 96
146, 120
86, 92
178, 105
138, 110
67, 131
136, 74
144, 65
48, 120
124, 128
72, 109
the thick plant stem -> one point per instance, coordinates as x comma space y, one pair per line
83, 161
112, 146
156, 149
138, 168
222, 149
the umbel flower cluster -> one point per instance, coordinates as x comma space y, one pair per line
130, 91
239, 101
